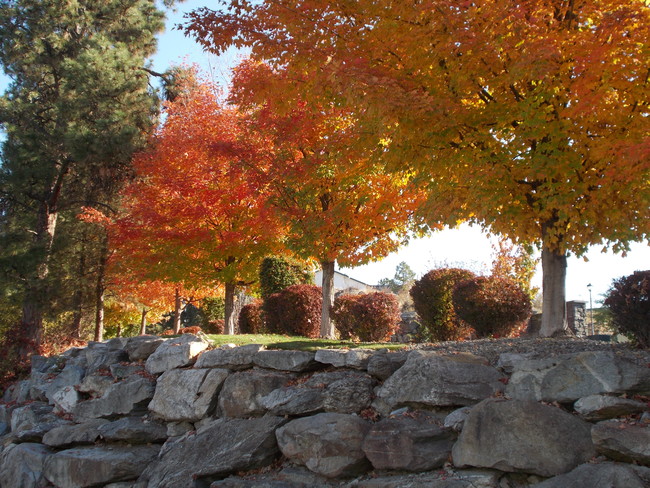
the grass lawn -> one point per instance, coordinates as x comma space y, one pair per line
273, 341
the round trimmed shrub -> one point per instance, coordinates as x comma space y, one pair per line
433, 302
251, 318
296, 310
494, 307
370, 317
629, 302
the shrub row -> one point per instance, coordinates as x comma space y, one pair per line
452, 303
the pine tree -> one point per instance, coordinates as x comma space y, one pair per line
78, 106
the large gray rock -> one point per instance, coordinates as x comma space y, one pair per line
19, 392
21, 466
433, 379
605, 407
100, 465
76, 434
128, 397
623, 441
383, 364
134, 430
522, 436
122, 370
70, 376
602, 475
31, 416
96, 384
296, 361
410, 443
329, 444
335, 391
235, 358
223, 447
460, 479
353, 358
175, 353
101, 357
141, 347
187, 394
65, 399
242, 392
570, 377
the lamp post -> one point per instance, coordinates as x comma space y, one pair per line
591, 311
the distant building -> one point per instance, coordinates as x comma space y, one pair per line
343, 282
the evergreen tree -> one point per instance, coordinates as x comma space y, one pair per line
78, 106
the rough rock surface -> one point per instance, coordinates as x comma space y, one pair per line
141, 347
604, 407
335, 391
175, 353
532, 438
353, 358
128, 397
622, 441
235, 358
602, 475
222, 447
242, 392
196, 400
21, 466
296, 361
76, 434
134, 430
91, 466
410, 443
569, 378
329, 444
431, 379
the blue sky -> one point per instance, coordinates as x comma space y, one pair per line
466, 246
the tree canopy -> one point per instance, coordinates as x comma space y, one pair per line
531, 119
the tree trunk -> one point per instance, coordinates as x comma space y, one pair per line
99, 290
553, 293
78, 299
326, 326
36, 288
143, 321
230, 309
177, 310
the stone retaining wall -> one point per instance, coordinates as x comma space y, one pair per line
145, 412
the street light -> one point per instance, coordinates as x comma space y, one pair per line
591, 310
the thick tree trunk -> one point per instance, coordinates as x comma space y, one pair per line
99, 292
36, 289
553, 294
143, 321
177, 311
326, 326
230, 308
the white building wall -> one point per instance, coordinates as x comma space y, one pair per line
342, 282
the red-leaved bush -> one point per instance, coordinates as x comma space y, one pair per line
296, 310
492, 306
251, 318
629, 301
371, 317
433, 302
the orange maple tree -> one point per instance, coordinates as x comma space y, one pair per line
531, 118
195, 216
335, 199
